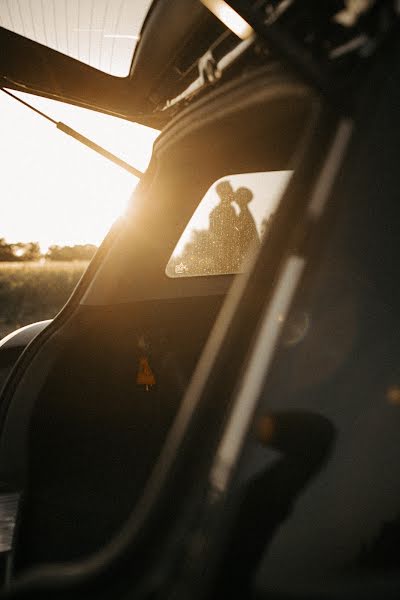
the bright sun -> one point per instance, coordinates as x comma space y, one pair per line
55, 190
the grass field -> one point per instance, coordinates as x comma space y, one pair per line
33, 291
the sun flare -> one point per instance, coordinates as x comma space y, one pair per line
55, 190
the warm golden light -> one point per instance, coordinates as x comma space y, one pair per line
229, 17
54, 189
393, 395
265, 429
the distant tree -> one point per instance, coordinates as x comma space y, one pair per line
33, 251
19, 251
26, 251
78, 252
6, 251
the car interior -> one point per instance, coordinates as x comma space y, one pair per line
93, 433
315, 495
310, 501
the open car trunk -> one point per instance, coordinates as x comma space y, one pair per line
82, 433
127, 425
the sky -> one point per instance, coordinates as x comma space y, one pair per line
55, 190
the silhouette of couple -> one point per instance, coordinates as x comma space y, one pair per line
232, 232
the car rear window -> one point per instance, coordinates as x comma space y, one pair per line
102, 34
234, 215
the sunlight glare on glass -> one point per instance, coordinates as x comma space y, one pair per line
54, 189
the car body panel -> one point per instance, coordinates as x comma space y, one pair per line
13, 344
22, 336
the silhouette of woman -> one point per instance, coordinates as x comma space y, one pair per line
247, 230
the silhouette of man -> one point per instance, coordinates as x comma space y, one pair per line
247, 230
223, 216
223, 228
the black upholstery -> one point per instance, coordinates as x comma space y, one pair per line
95, 434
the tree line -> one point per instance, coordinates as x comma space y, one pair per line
30, 251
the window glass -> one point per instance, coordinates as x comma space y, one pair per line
230, 221
102, 34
